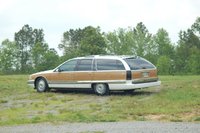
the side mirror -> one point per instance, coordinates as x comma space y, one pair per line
143, 67
59, 70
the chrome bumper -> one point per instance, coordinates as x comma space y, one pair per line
129, 85
31, 83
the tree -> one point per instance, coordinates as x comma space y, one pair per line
142, 40
164, 65
26, 39
163, 43
49, 60
92, 41
82, 42
188, 49
38, 52
70, 43
193, 64
120, 42
143, 43
164, 49
196, 26
8, 55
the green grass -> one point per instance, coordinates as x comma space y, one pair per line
177, 100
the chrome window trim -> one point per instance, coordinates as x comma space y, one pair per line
87, 81
143, 70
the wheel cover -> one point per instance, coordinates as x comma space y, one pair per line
41, 85
100, 88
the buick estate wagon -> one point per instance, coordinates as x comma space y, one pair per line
101, 73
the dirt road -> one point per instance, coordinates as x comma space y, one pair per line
105, 127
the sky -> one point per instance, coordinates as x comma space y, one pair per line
57, 16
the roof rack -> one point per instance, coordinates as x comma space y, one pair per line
101, 55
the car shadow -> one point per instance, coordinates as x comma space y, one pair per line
73, 91
112, 93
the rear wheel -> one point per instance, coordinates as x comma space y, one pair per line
101, 89
41, 85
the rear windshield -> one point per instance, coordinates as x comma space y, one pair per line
139, 63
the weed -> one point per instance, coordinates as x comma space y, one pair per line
36, 119
177, 96
176, 120
3, 101
197, 118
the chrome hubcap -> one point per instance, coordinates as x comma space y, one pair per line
41, 85
100, 88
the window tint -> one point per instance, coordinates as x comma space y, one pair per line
136, 64
68, 66
84, 65
109, 64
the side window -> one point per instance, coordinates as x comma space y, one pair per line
120, 66
68, 66
84, 65
109, 64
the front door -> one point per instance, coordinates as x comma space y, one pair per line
63, 76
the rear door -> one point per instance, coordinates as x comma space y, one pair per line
109, 71
142, 71
83, 74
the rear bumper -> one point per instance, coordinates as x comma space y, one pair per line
31, 83
129, 85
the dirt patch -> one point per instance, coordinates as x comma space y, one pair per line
160, 117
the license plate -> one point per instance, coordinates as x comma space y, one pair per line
145, 74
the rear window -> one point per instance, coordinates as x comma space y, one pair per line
109, 64
136, 64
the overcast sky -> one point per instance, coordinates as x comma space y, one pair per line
58, 16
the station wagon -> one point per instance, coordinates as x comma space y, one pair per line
101, 73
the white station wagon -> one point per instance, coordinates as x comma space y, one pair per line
101, 73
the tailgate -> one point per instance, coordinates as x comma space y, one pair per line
144, 76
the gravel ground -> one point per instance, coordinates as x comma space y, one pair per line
105, 127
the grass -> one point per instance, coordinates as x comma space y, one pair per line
177, 100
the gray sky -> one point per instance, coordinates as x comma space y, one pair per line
57, 16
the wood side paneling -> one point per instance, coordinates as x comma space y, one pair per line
83, 76
96, 75
138, 74
56, 76
110, 75
153, 73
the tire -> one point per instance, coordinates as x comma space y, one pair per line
101, 89
41, 85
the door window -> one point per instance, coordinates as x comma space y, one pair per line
68, 66
84, 65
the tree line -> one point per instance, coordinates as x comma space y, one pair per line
30, 53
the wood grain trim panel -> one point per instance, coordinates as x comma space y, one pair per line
138, 74
107, 75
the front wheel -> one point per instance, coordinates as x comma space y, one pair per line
41, 85
101, 89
